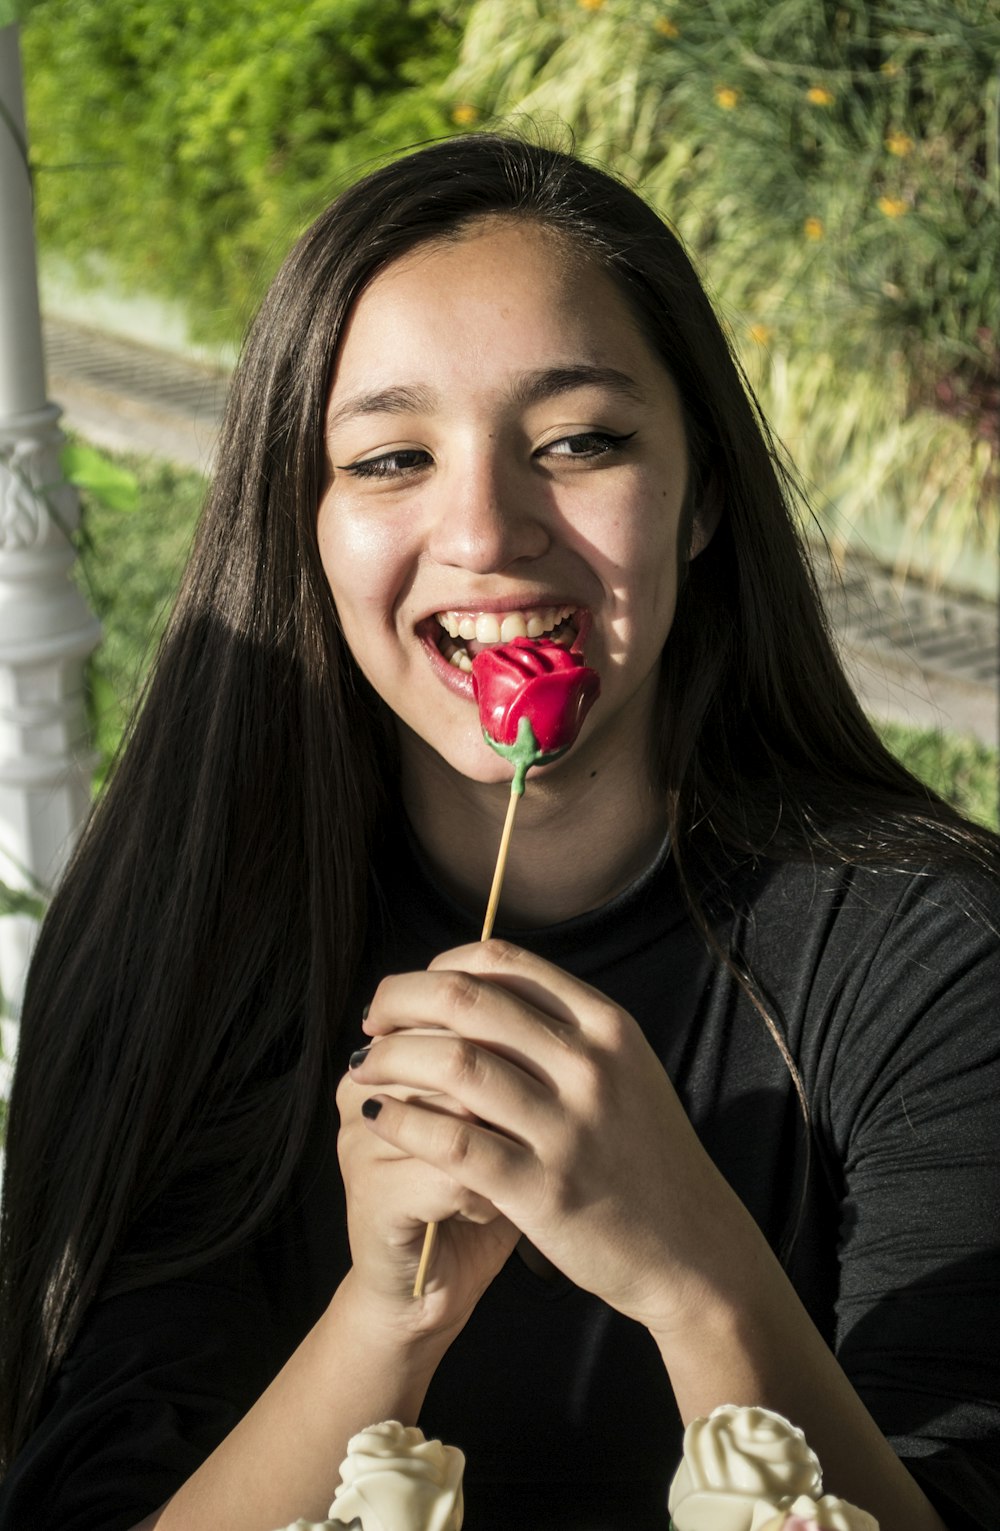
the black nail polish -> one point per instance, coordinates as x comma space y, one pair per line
366, 1012
356, 1059
371, 1109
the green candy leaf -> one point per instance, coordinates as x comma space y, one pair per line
524, 753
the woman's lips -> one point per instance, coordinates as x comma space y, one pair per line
457, 680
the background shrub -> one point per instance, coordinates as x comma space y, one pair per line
834, 169
182, 144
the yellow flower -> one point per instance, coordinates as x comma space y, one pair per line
666, 27
820, 96
889, 67
761, 333
726, 97
813, 228
893, 207
899, 143
465, 114
590, 5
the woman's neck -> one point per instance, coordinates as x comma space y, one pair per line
576, 842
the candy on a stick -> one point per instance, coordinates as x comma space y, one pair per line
533, 697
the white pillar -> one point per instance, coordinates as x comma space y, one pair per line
46, 631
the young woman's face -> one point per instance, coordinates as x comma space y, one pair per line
507, 458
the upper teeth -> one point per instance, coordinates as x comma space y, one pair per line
486, 627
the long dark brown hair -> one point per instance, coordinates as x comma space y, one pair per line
192, 970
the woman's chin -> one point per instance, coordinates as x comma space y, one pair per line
467, 761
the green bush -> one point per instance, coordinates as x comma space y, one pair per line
841, 156
184, 143
129, 568
834, 169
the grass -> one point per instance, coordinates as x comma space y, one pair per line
961, 769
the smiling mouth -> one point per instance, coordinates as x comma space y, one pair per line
464, 634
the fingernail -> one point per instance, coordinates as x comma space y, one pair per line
371, 1109
365, 1012
356, 1059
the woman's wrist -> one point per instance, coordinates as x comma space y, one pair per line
713, 1277
406, 1332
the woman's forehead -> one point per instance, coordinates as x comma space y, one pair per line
505, 296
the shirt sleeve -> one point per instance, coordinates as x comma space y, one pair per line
155, 1380
914, 1102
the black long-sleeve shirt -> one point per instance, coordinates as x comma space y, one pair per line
886, 987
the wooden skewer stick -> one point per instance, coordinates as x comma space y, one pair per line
501, 866
430, 1233
430, 1237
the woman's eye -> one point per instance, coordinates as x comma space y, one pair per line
586, 444
389, 464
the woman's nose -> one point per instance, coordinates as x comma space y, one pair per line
487, 517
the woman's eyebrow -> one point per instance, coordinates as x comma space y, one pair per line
529, 388
398, 399
548, 382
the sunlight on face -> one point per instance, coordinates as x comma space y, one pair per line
507, 454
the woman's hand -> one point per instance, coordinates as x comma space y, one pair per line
391, 1197
569, 1126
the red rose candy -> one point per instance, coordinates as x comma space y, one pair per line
533, 696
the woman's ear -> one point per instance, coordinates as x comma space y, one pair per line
706, 517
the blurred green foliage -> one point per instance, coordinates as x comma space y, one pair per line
18, 901
115, 486
841, 155
186, 142
130, 566
962, 770
834, 170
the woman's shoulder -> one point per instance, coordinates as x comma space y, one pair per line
885, 978
875, 958
871, 888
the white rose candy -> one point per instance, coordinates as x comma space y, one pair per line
741, 1465
734, 1461
393, 1479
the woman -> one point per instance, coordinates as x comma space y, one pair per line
728, 1086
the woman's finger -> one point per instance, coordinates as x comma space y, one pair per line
548, 989
519, 1006
387, 1181
457, 1072
469, 1154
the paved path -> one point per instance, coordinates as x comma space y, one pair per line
916, 655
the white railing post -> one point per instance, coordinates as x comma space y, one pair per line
46, 631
